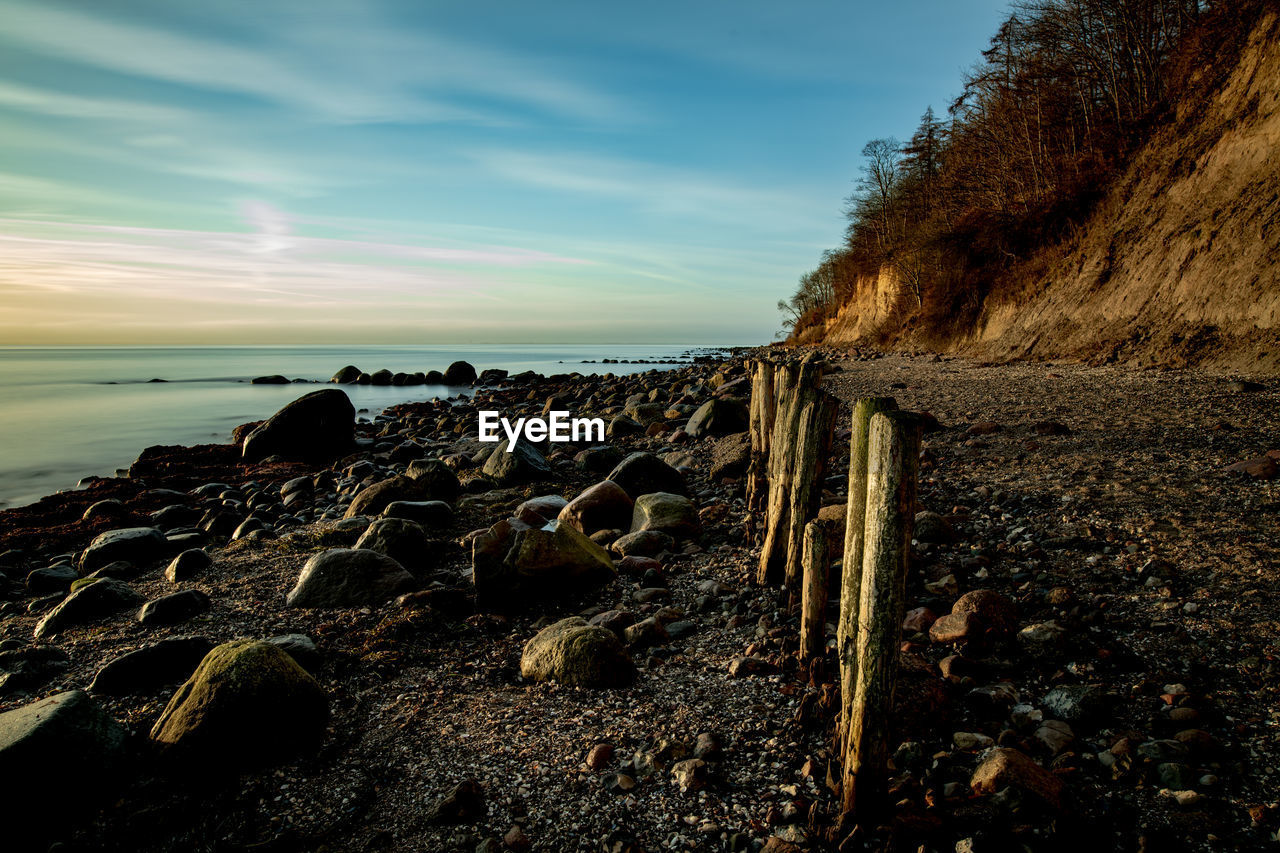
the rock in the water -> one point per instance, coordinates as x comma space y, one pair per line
46, 746
512, 561
403, 541
178, 607
317, 426
604, 506
577, 654
643, 474
137, 545
344, 578
460, 373
523, 464
667, 513
94, 599
169, 660
347, 375
718, 417
247, 704
187, 565
274, 379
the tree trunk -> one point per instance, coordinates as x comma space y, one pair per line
893, 457
851, 566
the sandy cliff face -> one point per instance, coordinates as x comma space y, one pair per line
1179, 265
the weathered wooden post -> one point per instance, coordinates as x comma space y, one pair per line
813, 603
892, 461
851, 566
760, 430
798, 451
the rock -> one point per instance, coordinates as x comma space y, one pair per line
645, 633
730, 456
954, 628
744, 666
983, 428
996, 615
51, 579
300, 647
460, 373
523, 464
28, 667
643, 474
577, 654
430, 514
274, 379
1042, 638
691, 774
971, 740
167, 661
463, 804
600, 756
403, 541
436, 481
1007, 768
46, 746
1259, 468
667, 513
187, 565
597, 459
344, 578
604, 506
248, 704
511, 561
315, 427
1077, 703
178, 607
1055, 736
380, 377
1050, 428
644, 543
536, 512
622, 426
920, 620
718, 417
137, 545
93, 600
707, 746
933, 529
111, 509
347, 375
372, 500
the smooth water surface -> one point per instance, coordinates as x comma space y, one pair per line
71, 412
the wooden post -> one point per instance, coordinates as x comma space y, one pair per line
892, 460
851, 566
813, 605
760, 429
797, 455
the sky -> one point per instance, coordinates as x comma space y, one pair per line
414, 171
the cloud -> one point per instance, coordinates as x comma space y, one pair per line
47, 102
347, 66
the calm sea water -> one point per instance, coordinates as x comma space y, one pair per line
66, 413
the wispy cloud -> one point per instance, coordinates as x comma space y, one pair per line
53, 103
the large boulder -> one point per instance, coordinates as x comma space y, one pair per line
315, 427
347, 375
94, 599
344, 578
460, 373
168, 661
674, 515
436, 480
248, 704
57, 755
604, 506
718, 417
643, 473
577, 654
136, 545
513, 562
402, 540
523, 464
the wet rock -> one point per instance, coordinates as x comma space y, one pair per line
317, 426
459, 373
248, 704
604, 506
347, 375
577, 654
667, 513
643, 473
93, 600
344, 578
171, 609
137, 545
167, 661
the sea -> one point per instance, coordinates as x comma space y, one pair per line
67, 413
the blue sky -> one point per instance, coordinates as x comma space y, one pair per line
442, 172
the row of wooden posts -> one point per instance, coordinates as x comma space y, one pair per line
792, 421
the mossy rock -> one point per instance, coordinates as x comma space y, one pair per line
248, 704
577, 654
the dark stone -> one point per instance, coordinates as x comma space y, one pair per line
317, 426
170, 609
165, 662
137, 545
460, 373
643, 473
